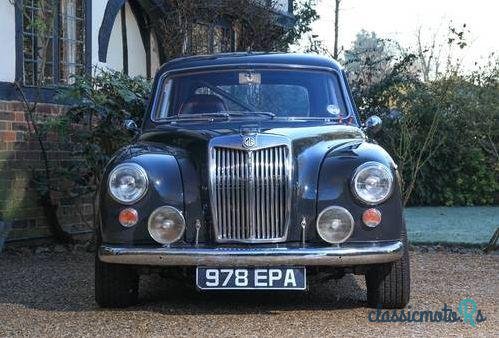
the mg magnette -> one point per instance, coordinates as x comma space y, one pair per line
252, 171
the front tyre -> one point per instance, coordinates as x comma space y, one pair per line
116, 285
388, 285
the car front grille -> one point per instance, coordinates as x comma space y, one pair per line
250, 193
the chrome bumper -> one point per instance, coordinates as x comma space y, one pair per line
343, 255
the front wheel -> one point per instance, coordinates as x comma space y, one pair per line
116, 285
388, 285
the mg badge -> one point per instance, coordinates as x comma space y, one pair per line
249, 141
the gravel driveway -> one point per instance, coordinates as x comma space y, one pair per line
52, 295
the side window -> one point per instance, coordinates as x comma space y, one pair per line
165, 99
336, 102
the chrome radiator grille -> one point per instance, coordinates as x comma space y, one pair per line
250, 193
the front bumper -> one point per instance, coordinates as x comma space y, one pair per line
347, 254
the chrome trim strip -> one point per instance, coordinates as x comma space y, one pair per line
257, 195
344, 255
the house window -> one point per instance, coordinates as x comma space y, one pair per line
221, 39
53, 41
209, 38
200, 39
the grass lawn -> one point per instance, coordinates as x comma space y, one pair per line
467, 225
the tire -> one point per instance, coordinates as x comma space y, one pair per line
389, 285
116, 285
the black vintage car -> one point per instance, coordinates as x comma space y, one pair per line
250, 172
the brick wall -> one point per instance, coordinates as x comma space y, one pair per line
19, 157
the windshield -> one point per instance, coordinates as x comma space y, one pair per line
246, 93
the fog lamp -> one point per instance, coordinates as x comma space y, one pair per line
128, 217
166, 225
371, 217
335, 224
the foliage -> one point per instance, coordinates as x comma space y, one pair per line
93, 124
369, 60
304, 13
257, 27
43, 180
442, 133
464, 171
432, 53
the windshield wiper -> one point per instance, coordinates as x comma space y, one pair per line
226, 115
266, 113
251, 113
217, 114
202, 116
228, 96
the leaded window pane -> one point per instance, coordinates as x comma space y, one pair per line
41, 38
71, 43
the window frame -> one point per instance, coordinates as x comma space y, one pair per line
157, 92
46, 91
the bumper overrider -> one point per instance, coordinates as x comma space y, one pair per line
346, 254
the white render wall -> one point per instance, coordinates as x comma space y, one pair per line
98, 8
7, 42
114, 58
137, 64
136, 52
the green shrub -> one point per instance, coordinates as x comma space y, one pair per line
443, 134
463, 170
93, 124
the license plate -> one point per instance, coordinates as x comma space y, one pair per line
293, 278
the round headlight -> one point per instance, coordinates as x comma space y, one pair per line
128, 183
372, 183
335, 224
166, 225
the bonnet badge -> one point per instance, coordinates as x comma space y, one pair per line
249, 141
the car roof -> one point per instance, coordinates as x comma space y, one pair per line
250, 58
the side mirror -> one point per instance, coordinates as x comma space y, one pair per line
373, 125
131, 126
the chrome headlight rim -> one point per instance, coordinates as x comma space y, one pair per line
178, 212
342, 209
363, 167
140, 170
